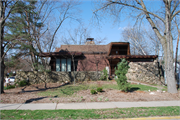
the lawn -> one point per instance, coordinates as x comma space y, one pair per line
91, 114
69, 90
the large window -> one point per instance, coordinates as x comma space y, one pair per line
63, 64
69, 64
57, 64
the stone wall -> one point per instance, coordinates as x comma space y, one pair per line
36, 77
148, 72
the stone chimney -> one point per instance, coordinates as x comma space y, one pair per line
90, 41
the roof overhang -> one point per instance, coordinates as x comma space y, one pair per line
63, 54
132, 56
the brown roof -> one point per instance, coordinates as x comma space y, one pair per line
84, 48
89, 48
132, 56
60, 54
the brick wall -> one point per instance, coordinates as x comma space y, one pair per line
92, 62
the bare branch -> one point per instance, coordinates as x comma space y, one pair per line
176, 13
132, 6
175, 7
10, 11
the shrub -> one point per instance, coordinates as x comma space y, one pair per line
93, 91
9, 87
122, 68
99, 89
104, 75
23, 83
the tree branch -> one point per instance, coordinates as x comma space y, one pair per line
175, 7
133, 6
64, 17
10, 11
176, 13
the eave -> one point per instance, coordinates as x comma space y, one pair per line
55, 54
132, 56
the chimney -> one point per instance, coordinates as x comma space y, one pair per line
90, 41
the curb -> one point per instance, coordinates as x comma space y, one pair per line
149, 118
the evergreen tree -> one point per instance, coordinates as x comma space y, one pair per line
122, 69
22, 25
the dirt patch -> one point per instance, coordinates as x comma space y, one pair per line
29, 94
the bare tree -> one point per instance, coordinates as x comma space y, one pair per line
136, 39
143, 40
156, 46
77, 36
168, 11
46, 34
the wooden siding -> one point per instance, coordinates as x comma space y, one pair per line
119, 50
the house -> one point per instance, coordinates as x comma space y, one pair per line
92, 57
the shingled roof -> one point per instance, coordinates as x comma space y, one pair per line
85, 48
79, 50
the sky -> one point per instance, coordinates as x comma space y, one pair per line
107, 28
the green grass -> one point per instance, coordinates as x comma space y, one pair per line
9, 87
69, 90
91, 114
64, 91
134, 87
144, 87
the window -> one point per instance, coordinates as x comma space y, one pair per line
63, 64
69, 64
57, 64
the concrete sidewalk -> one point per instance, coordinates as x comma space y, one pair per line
90, 105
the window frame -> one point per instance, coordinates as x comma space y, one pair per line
66, 65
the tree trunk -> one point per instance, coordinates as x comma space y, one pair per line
176, 52
2, 70
169, 70
2, 47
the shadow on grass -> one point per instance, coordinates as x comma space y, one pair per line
133, 89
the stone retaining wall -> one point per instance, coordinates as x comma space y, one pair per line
148, 72
36, 77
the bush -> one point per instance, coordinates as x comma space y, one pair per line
122, 69
99, 89
104, 75
23, 83
93, 91
9, 87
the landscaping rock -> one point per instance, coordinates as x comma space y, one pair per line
148, 72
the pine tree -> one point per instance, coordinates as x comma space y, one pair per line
122, 69
22, 25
